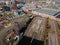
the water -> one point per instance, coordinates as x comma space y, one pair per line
27, 41
23, 30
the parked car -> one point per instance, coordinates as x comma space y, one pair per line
19, 7
1, 15
20, 12
6, 8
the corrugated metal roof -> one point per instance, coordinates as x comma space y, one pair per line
47, 11
57, 2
